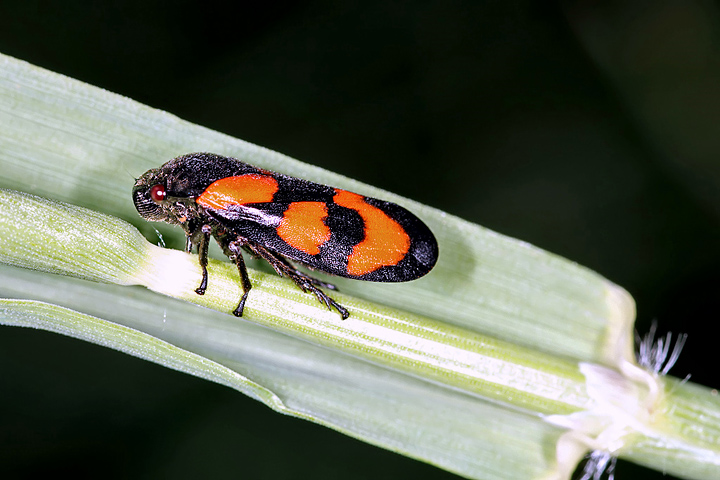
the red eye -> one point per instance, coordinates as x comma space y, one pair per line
157, 193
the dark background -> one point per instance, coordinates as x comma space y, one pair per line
586, 128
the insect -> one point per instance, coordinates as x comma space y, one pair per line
286, 221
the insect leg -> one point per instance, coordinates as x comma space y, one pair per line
315, 281
236, 256
252, 253
290, 266
302, 280
203, 257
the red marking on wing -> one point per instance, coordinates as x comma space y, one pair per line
302, 226
386, 242
238, 190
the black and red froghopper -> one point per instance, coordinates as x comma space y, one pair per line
285, 219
